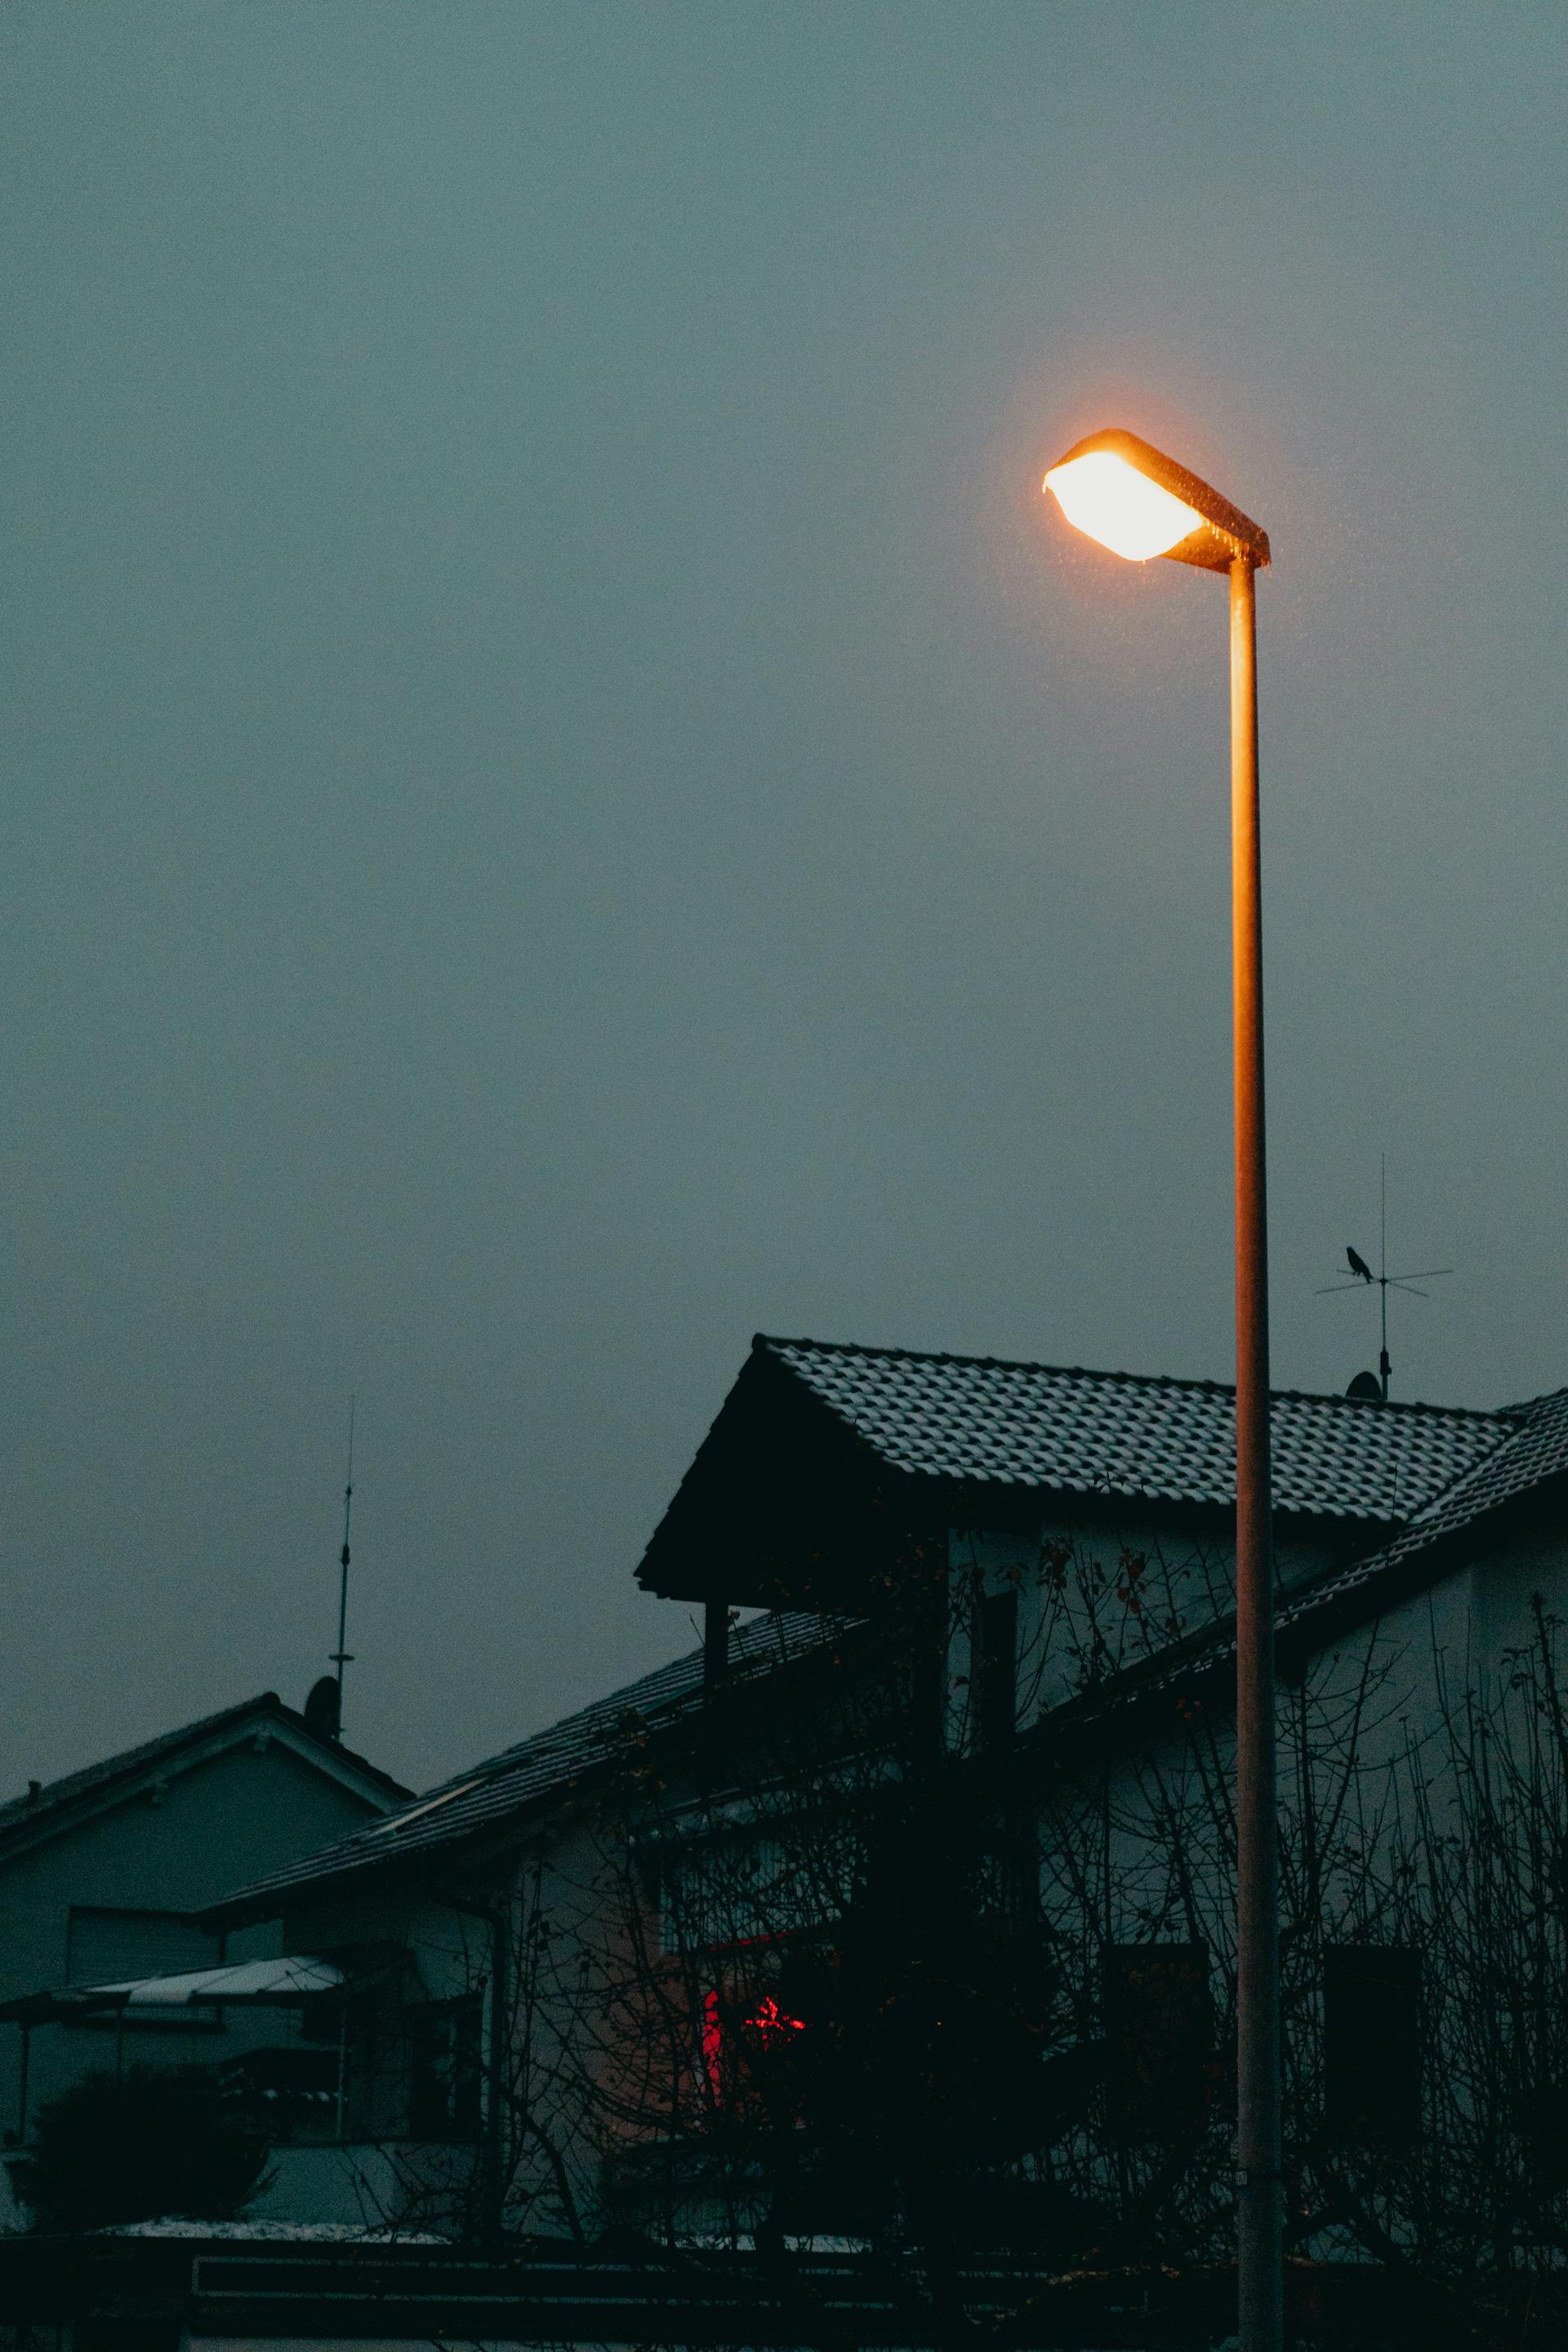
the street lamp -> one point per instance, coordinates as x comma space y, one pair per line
1141, 504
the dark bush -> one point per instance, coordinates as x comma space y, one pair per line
159, 2142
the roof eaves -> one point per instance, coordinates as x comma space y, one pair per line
331, 1757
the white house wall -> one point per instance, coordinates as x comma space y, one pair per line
579, 1877
1415, 1663
1065, 1571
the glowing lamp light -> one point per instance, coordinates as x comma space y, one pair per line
1106, 498
1139, 503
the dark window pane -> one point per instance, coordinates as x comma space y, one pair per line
994, 1676
285, 2094
1159, 2023
444, 2069
1372, 2043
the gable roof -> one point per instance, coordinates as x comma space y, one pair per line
1067, 1430
547, 1765
54, 1807
812, 1428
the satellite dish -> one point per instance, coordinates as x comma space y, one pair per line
1366, 1386
321, 1709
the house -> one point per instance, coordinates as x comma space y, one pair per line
102, 1875
461, 1917
1008, 1586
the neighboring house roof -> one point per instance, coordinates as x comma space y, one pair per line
1065, 1430
49, 1811
541, 1769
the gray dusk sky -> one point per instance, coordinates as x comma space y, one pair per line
566, 799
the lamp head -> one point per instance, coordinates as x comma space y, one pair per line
1139, 503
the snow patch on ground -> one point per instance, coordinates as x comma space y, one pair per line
320, 2233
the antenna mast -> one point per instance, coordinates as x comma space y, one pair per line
341, 1657
1362, 1277
1383, 1366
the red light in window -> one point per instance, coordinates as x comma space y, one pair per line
768, 2022
768, 2018
712, 2046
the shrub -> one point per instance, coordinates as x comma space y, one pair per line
159, 2142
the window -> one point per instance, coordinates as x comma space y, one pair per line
1372, 2043
728, 1890
994, 1672
283, 2093
444, 2066
749, 2043
1159, 2024
112, 1947
752, 1887
760, 2011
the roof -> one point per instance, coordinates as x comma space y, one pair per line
54, 1806
549, 1765
1067, 1430
1535, 1455
281, 1983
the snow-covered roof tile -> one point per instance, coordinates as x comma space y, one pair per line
1063, 1429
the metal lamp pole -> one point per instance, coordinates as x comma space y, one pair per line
1140, 503
1259, 2267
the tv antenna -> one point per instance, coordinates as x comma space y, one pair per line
341, 1657
1361, 1277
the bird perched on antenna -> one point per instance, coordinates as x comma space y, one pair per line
1362, 1278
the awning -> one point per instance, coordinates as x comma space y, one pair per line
297, 1976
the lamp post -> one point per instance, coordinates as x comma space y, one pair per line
1141, 504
